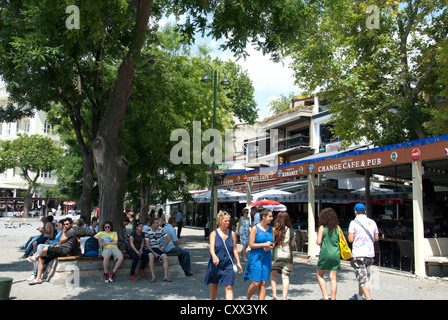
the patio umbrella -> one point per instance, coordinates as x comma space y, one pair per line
269, 204
270, 194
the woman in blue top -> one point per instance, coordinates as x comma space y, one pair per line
259, 262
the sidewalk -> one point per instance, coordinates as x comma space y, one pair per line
386, 284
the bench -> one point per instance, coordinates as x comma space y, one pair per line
436, 257
90, 269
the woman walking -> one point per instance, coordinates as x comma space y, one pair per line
244, 225
259, 262
329, 257
282, 255
223, 256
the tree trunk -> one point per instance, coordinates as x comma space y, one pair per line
110, 166
85, 201
144, 202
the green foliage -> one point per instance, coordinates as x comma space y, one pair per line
30, 154
375, 79
168, 95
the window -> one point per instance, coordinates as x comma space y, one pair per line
326, 135
45, 174
48, 128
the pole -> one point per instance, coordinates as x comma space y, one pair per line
212, 189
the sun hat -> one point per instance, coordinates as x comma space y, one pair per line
360, 208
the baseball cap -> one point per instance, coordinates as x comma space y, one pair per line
360, 208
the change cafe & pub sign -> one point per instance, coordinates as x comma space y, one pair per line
403, 153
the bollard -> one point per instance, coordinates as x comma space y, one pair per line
5, 288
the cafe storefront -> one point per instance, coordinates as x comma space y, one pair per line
421, 162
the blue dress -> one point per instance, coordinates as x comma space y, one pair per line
259, 262
223, 273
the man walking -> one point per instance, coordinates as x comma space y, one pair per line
180, 221
362, 232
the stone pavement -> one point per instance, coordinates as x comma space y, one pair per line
387, 284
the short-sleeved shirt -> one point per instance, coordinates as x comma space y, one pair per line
170, 231
154, 237
107, 237
362, 244
137, 239
72, 240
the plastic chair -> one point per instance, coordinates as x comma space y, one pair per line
304, 242
377, 251
406, 251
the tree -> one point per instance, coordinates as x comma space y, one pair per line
92, 67
32, 155
176, 96
375, 77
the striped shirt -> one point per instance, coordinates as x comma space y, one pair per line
154, 237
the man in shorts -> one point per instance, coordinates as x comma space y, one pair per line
156, 249
64, 247
362, 232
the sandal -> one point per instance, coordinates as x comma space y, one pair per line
35, 282
168, 280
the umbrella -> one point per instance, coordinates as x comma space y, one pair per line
270, 194
69, 203
269, 204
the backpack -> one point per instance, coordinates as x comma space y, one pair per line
91, 247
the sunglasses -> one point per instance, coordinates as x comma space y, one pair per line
106, 227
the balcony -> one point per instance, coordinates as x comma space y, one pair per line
297, 140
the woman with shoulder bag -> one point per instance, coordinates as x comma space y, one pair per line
329, 257
223, 252
282, 256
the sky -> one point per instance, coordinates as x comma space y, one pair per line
270, 80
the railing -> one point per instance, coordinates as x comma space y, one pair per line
297, 140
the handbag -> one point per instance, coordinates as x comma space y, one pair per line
344, 249
235, 268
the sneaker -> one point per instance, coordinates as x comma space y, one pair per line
106, 277
111, 277
133, 278
142, 273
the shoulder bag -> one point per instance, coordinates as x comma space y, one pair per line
344, 249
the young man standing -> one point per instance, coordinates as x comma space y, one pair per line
362, 232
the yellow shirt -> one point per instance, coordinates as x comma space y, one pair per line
107, 237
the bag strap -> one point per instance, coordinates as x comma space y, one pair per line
370, 236
230, 234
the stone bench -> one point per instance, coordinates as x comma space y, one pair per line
90, 269
436, 256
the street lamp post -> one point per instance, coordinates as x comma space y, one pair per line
225, 82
